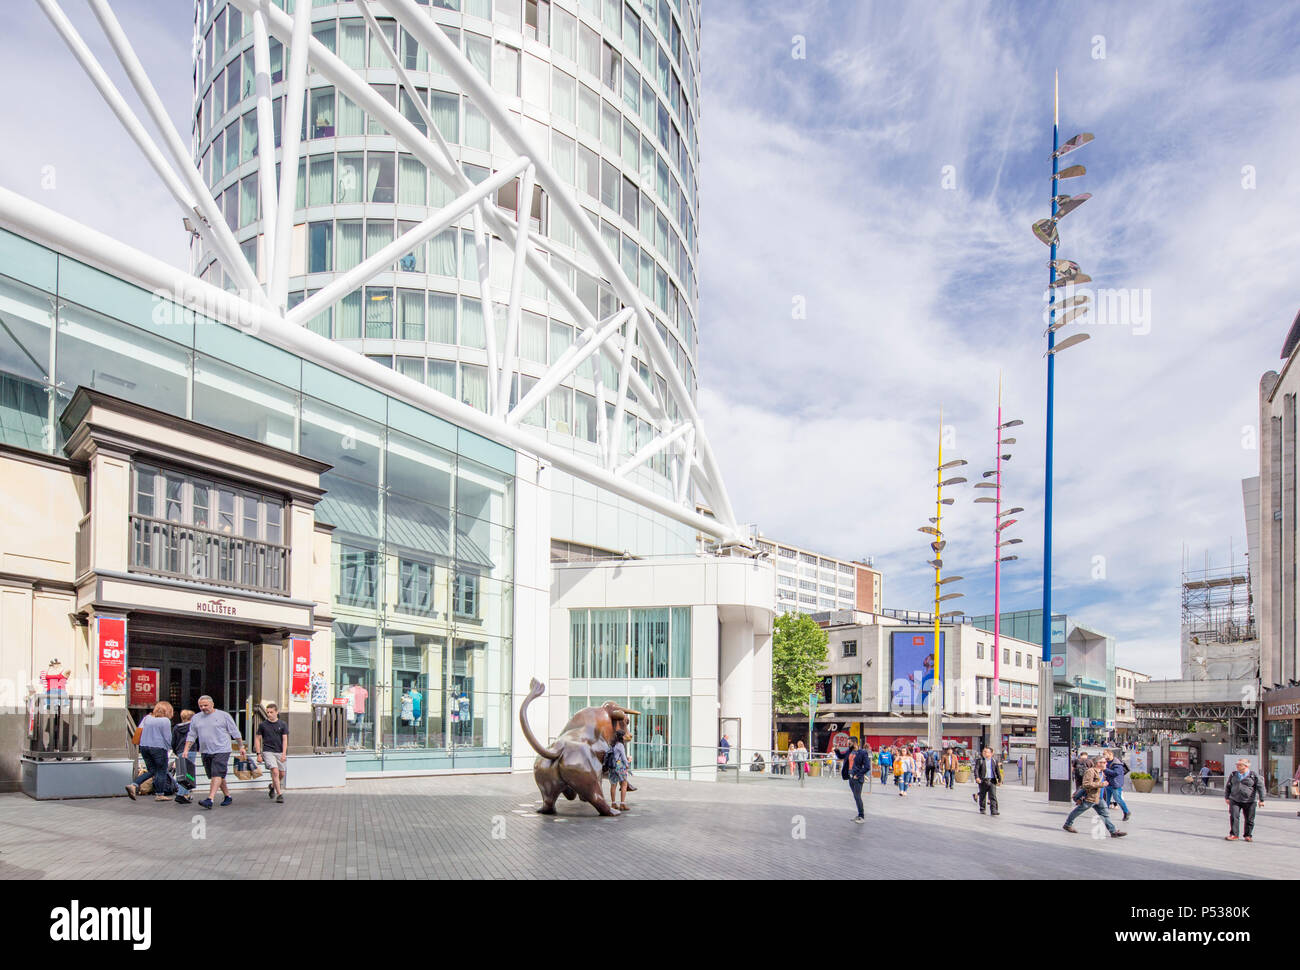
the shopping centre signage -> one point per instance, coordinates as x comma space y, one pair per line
1282, 709
219, 607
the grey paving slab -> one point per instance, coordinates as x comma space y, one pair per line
485, 827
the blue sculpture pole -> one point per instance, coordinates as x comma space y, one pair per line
1051, 382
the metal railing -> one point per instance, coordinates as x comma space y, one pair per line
329, 728
181, 551
57, 728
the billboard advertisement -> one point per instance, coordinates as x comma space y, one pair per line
912, 671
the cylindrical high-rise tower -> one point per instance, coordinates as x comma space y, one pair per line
607, 91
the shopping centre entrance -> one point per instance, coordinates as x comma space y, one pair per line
186, 659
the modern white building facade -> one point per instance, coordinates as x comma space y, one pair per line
809, 582
606, 91
432, 360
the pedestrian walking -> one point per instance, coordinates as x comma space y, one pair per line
185, 772
988, 774
272, 746
886, 762
1092, 783
791, 759
212, 731
949, 764
903, 768
859, 765
931, 767
1243, 792
801, 755
155, 740
1114, 771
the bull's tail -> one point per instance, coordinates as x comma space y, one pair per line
536, 689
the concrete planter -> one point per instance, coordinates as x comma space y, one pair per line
1143, 785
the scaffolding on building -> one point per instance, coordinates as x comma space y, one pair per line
1217, 605
1220, 660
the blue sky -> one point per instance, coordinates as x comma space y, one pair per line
823, 180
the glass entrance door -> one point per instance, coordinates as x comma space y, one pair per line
238, 697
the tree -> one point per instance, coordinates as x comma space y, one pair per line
798, 655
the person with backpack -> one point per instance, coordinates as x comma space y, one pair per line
1243, 792
931, 767
1115, 770
859, 765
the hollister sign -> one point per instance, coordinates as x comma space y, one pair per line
216, 606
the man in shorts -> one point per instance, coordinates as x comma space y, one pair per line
213, 731
273, 747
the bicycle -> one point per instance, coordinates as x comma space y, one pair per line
1194, 786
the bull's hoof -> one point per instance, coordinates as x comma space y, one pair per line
546, 811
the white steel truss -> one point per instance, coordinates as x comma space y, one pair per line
678, 431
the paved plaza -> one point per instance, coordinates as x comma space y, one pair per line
485, 827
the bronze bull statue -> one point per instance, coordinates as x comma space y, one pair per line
574, 763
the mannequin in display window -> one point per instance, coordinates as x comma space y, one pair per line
319, 688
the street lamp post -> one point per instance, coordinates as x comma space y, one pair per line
1062, 273
1000, 539
935, 701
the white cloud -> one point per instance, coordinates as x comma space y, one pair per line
822, 179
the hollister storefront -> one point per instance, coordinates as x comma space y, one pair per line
160, 560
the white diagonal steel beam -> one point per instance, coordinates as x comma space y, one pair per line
652, 448
368, 268
420, 26
191, 194
523, 216
620, 405
290, 140
265, 138
568, 362
494, 404
58, 232
345, 79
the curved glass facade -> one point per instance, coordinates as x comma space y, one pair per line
606, 90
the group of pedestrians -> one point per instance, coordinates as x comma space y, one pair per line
210, 733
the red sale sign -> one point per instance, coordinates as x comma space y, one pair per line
143, 689
110, 649
300, 656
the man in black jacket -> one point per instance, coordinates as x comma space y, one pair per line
1242, 792
988, 773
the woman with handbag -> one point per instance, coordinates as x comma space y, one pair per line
154, 736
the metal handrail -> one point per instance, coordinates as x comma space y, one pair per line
205, 555
329, 728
